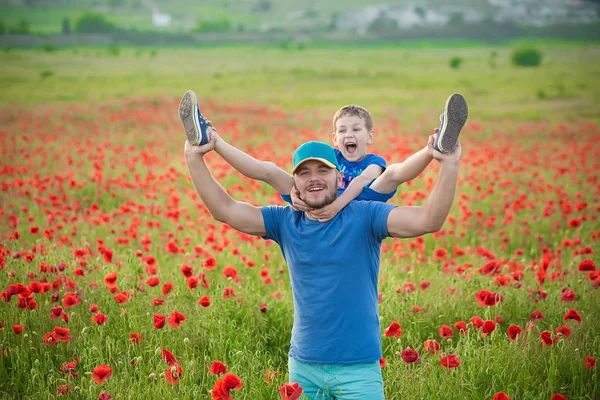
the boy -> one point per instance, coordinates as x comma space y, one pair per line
365, 176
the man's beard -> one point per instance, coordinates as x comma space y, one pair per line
330, 198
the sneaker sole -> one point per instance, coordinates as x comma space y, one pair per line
456, 113
187, 114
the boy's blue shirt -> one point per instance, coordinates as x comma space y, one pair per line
334, 269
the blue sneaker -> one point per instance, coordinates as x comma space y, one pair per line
452, 121
193, 121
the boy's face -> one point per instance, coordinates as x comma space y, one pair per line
351, 137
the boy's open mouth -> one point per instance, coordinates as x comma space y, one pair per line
350, 147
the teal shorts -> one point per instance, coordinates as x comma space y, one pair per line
338, 381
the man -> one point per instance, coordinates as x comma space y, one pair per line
334, 265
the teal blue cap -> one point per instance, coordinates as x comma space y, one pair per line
318, 151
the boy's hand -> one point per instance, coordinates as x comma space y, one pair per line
297, 202
454, 156
324, 214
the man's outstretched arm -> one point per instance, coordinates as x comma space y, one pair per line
406, 222
241, 216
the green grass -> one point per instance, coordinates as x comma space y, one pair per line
411, 81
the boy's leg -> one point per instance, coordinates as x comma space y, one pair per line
249, 166
388, 181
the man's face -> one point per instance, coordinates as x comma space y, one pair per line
317, 183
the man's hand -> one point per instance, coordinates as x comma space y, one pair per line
297, 202
324, 214
191, 150
453, 157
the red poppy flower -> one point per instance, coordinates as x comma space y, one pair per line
94, 308
63, 390
79, 272
56, 312
153, 281
587, 265
228, 293
431, 346
574, 315
110, 279
223, 385
568, 295
70, 300
513, 331
105, 396
167, 287
424, 285
558, 396
169, 357
410, 356
159, 321
536, 316
393, 330
230, 272
382, 362
440, 254
17, 329
546, 337
476, 321
446, 332
173, 373
175, 319
589, 362
461, 326
488, 327
135, 338
158, 302
290, 391
563, 331
450, 361
217, 368
62, 334
187, 271
501, 396
192, 282
487, 298
210, 263
99, 318
101, 373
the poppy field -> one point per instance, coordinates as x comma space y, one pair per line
115, 282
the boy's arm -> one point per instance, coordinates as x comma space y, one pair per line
241, 216
404, 222
249, 166
355, 187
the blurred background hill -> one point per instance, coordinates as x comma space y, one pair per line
187, 22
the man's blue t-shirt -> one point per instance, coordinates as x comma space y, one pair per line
334, 269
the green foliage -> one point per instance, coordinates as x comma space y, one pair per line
22, 28
92, 22
492, 59
222, 25
2, 27
49, 48
527, 57
455, 62
113, 50
66, 26
46, 74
